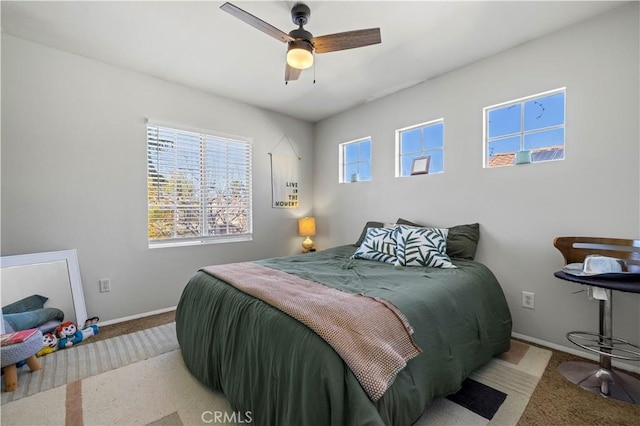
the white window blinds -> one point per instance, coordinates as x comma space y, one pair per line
199, 187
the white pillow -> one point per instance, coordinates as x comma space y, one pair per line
422, 247
378, 244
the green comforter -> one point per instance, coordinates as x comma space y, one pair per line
269, 364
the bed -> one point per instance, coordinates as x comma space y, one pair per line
269, 364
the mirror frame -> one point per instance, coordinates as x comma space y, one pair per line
73, 270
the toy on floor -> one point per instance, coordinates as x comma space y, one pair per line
91, 321
69, 335
50, 342
89, 330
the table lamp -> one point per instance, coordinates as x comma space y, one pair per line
307, 228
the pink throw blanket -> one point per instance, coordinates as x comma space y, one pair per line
370, 334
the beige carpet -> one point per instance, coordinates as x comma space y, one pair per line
160, 391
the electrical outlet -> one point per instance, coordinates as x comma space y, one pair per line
528, 300
105, 285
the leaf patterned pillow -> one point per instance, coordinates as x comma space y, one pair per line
422, 247
379, 244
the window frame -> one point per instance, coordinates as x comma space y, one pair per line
342, 165
422, 152
521, 101
205, 137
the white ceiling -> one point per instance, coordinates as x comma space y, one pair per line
198, 45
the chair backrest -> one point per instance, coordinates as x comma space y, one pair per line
575, 249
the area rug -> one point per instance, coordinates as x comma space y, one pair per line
496, 394
161, 391
89, 359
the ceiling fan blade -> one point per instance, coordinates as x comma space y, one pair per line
291, 73
256, 22
346, 40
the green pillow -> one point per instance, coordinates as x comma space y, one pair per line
364, 231
462, 240
402, 221
27, 304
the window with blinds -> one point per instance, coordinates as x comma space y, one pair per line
199, 187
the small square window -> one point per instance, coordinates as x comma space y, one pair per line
355, 161
424, 140
527, 130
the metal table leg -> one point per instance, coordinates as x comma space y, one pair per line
602, 379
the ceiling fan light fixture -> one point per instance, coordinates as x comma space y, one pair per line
302, 45
299, 54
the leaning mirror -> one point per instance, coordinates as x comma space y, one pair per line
54, 275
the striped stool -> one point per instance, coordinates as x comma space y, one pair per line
10, 355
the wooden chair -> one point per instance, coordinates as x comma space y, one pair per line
575, 249
603, 379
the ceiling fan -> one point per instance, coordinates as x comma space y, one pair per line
302, 44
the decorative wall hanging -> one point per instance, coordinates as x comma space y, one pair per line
284, 178
420, 165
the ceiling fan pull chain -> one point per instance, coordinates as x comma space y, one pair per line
314, 68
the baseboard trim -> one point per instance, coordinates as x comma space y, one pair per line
577, 352
137, 316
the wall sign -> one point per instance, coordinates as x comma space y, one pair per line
284, 178
284, 181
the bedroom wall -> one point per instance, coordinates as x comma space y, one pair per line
595, 191
74, 173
